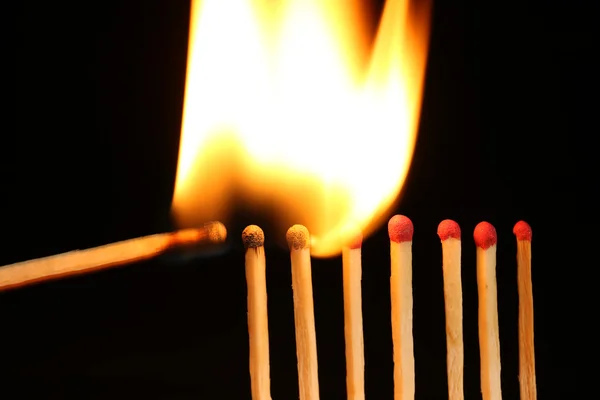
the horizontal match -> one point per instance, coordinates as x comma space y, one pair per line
110, 255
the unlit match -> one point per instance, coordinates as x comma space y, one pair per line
400, 230
258, 326
298, 240
449, 233
527, 381
353, 321
110, 255
489, 341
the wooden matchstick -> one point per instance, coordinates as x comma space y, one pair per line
306, 340
258, 327
449, 233
353, 322
489, 341
110, 255
400, 230
522, 231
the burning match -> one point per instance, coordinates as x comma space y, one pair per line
110, 255
449, 233
489, 341
400, 230
300, 70
292, 76
306, 340
522, 231
258, 326
353, 322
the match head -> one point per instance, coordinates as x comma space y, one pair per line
355, 240
217, 232
448, 229
298, 238
400, 229
485, 235
253, 237
522, 231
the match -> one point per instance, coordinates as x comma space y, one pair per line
449, 233
400, 230
107, 256
522, 231
353, 321
258, 326
298, 240
489, 341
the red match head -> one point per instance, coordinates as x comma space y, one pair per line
522, 231
485, 235
448, 229
400, 229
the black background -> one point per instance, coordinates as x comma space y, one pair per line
90, 158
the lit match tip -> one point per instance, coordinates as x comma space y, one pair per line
253, 237
485, 235
448, 229
211, 232
297, 237
217, 232
354, 238
400, 229
522, 231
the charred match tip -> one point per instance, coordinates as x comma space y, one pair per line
485, 235
400, 229
297, 237
253, 237
522, 231
448, 229
217, 232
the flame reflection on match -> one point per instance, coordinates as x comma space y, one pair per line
291, 109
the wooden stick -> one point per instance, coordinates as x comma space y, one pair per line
449, 233
400, 230
353, 322
258, 326
522, 231
489, 341
110, 255
306, 340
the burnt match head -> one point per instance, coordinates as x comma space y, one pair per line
217, 232
448, 229
253, 237
298, 237
400, 229
485, 235
522, 231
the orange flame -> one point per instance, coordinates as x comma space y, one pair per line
286, 108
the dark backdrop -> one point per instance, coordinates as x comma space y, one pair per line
90, 158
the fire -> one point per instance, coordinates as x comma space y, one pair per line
290, 109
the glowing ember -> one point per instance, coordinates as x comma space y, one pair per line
287, 110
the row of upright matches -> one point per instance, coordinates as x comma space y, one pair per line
400, 229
